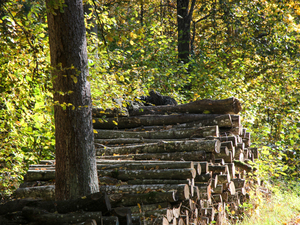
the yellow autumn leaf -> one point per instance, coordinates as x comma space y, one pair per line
94, 121
115, 122
131, 42
96, 132
84, 197
121, 78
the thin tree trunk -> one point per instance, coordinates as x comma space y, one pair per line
76, 173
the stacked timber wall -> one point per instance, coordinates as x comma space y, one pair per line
184, 164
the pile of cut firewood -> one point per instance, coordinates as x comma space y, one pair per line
179, 164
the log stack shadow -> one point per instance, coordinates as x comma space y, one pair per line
183, 164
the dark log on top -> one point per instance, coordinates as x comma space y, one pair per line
212, 146
225, 106
163, 120
199, 132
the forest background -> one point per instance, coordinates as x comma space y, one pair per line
246, 49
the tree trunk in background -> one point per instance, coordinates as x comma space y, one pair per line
76, 172
184, 18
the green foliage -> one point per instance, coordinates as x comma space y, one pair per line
26, 127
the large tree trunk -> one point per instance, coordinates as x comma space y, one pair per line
76, 173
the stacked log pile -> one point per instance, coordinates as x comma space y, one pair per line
183, 164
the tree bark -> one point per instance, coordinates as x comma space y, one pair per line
164, 134
211, 146
160, 120
40, 216
118, 200
225, 106
75, 153
125, 175
182, 190
159, 181
187, 156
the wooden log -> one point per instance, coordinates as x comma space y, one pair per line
168, 213
118, 200
224, 131
218, 169
203, 177
142, 207
199, 132
125, 175
222, 121
244, 166
182, 190
247, 139
36, 183
187, 156
145, 165
223, 178
216, 198
158, 181
227, 158
109, 220
40, 216
227, 144
233, 138
160, 120
219, 161
254, 152
212, 146
41, 175
218, 189
231, 188
225, 106
93, 202
39, 192
204, 167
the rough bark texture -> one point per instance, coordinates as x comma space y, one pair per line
212, 146
225, 106
164, 134
159, 120
184, 17
75, 154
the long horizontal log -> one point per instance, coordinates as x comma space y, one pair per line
199, 132
125, 175
93, 202
212, 146
118, 200
244, 166
186, 156
38, 192
40, 175
40, 216
182, 190
224, 106
133, 165
149, 207
163, 120
159, 181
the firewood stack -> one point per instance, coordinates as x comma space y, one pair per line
183, 164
